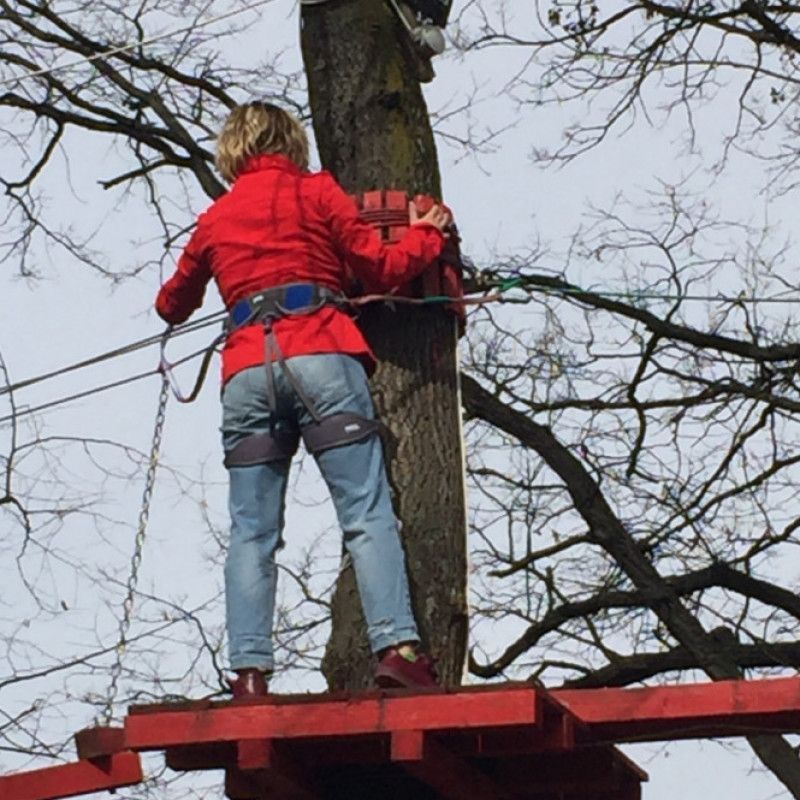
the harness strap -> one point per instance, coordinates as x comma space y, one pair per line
271, 346
269, 342
279, 302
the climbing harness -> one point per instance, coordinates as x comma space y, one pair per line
136, 558
281, 301
267, 307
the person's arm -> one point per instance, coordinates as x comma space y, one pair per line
183, 292
380, 266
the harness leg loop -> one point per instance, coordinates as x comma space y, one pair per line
278, 444
338, 430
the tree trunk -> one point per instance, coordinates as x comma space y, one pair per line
373, 131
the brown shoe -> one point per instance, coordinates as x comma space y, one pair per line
249, 684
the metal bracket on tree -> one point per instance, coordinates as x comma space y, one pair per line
437, 11
424, 19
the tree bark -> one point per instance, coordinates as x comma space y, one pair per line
373, 131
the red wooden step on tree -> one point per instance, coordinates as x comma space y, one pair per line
387, 211
504, 741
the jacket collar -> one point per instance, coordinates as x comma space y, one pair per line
265, 161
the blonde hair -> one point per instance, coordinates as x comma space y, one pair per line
257, 128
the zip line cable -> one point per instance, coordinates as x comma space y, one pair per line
632, 295
125, 48
189, 327
499, 286
22, 412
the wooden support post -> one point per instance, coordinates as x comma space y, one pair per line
558, 725
450, 776
555, 730
268, 765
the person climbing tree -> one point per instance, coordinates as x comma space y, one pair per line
295, 364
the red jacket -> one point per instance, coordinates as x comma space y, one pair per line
279, 225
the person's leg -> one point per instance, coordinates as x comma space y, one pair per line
356, 476
256, 503
256, 510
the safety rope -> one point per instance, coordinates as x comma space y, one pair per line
500, 286
132, 347
138, 548
131, 46
166, 368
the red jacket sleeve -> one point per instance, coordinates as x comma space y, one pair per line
379, 266
183, 292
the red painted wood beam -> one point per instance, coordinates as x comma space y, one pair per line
687, 711
457, 710
68, 780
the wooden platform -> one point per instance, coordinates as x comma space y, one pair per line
507, 741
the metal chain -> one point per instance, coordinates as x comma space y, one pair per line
136, 558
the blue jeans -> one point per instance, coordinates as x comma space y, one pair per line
356, 477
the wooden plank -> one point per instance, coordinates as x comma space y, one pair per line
687, 711
451, 777
555, 730
458, 710
68, 780
343, 697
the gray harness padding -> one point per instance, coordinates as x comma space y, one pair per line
336, 430
262, 448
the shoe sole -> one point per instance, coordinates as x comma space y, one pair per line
390, 679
